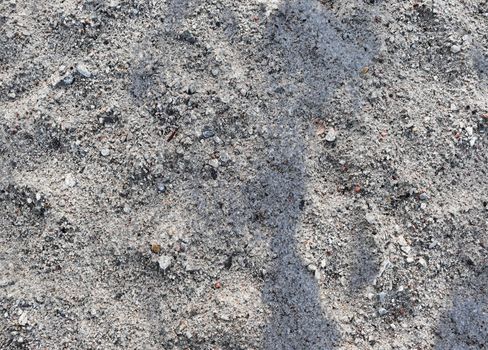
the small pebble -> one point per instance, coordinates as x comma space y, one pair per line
224, 157
207, 133
83, 71
191, 90
424, 196
69, 180
161, 187
214, 163
155, 248
382, 311
68, 80
455, 48
23, 319
382, 297
401, 240
406, 249
105, 152
165, 262
370, 218
331, 135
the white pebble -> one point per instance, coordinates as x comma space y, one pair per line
165, 262
105, 152
69, 180
331, 135
455, 48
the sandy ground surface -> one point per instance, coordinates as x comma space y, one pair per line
256, 174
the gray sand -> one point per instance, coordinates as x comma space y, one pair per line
258, 174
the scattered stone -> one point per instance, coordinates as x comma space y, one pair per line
69, 180
401, 240
224, 157
423, 196
126, 209
371, 218
207, 133
410, 260
218, 285
320, 127
105, 152
191, 90
83, 71
155, 248
188, 37
422, 262
312, 268
165, 262
40, 299
214, 163
406, 249
472, 141
381, 297
23, 319
382, 311
331, 135
66, 80
455, 48
160, 186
